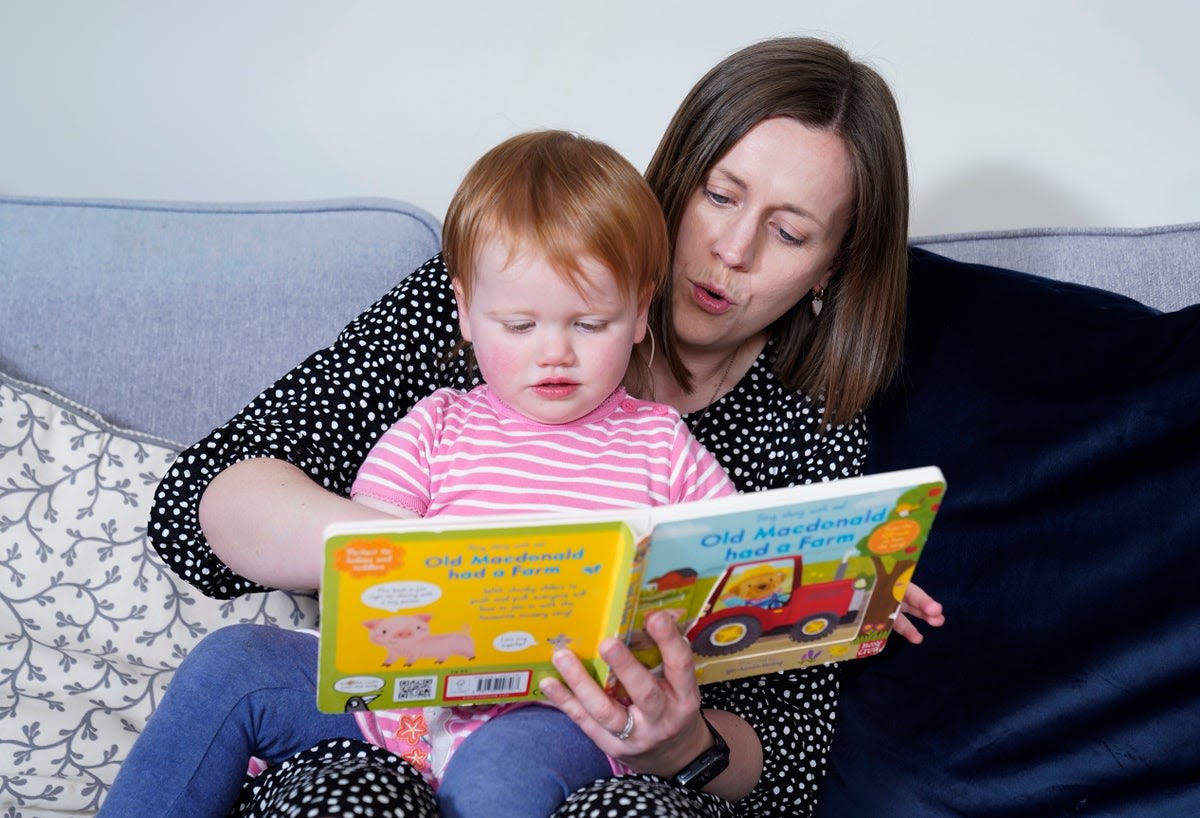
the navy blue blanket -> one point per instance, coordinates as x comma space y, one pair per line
1067, 678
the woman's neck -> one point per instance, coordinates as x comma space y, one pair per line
715, 371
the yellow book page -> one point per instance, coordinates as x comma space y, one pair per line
473, 601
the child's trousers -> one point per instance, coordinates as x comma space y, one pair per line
250, 691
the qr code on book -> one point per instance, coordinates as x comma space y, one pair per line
415, 689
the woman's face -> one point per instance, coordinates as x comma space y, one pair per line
761, 231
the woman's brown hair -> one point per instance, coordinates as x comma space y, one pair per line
844, 358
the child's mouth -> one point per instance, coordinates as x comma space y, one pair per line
556, 390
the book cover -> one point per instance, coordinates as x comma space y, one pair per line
467, 611
452, 612
790, 577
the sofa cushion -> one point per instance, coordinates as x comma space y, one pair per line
1067, 422
92, 624
170, 317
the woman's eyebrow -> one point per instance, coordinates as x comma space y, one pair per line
790, 208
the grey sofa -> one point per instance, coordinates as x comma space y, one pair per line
131, 327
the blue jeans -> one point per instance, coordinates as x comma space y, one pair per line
522, 764
250, 690
244, 690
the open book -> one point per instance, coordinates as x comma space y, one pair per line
469, 610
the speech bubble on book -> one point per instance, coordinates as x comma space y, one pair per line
355, 685
396, 596
513, 641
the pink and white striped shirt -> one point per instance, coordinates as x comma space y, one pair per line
470, 454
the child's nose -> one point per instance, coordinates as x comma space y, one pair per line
557, 349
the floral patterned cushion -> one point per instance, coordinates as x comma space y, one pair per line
92, 624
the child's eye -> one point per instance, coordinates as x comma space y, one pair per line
518, 326
592, 326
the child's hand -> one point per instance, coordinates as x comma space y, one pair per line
917, 604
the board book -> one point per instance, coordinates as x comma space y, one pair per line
453, 611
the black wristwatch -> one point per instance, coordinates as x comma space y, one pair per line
706, 766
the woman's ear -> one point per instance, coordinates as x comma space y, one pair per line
464, 318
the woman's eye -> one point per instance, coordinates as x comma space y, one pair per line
787, 237
717, 198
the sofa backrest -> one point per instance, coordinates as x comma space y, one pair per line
1154, 265
169, 317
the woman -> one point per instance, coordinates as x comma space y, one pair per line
783, 181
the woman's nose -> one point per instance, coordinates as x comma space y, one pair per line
734, 243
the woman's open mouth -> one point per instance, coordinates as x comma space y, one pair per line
711, 301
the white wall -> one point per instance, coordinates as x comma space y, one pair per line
1022, 113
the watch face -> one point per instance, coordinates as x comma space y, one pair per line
704, 769
706, 766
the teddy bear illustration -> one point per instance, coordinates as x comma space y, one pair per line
760, 587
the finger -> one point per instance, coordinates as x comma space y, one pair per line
559, 695
919, 603
678, 661
933, 616
588, 702
642, 686
915, 596
907, 629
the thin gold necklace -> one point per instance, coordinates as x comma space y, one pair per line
721, 383
725, 373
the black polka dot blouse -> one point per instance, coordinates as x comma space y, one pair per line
325, 414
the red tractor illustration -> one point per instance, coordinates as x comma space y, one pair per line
759, 597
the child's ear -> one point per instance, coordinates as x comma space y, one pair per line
464, 323
643, 315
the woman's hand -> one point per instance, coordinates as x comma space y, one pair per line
660, 717
917, 604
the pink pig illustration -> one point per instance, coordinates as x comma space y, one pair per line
408, 637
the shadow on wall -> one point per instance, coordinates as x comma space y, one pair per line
998, 196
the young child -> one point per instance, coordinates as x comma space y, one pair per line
554, 264
556, 246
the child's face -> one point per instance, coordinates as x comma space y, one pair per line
548, 351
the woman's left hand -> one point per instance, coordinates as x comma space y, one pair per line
657, 727
917, 604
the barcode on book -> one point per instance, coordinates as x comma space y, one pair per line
415, 689
476, 685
